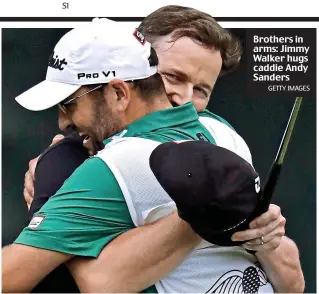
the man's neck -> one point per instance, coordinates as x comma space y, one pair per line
141, 108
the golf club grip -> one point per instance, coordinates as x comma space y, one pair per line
268, 191
270, 185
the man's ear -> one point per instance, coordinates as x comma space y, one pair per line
121, 93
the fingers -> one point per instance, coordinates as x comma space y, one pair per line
88, 144
29, 178
28, 191
279, 231
271, 245
29, 183
272, 214
32, 165
270, 226
251, 234
28, 198
270, 241
56, 139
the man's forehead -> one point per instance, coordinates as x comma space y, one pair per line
167, 44
186, 57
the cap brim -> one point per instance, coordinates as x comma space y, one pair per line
45, 95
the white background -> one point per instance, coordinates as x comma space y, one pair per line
231, 8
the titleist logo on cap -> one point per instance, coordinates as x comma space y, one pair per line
139, 36
55, 62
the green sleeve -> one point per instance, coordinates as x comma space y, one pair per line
87, 213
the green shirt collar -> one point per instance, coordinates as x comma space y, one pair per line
160, 119
205, 112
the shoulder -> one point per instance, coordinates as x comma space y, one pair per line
94, 172
90, 185
126, 147
225, 135
214, 116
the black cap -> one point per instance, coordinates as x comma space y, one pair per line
55, 165
216, 191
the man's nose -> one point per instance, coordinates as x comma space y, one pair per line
175, 99
178, 99
182, 94
65, 122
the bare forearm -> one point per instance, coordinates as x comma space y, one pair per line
161, 248
140, 257
11, 279
282, 267
23, 267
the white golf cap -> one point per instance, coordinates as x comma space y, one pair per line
94, 53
